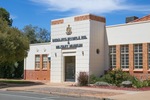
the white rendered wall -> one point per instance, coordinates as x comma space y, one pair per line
138, 32
39, 48
97, 61
79, 28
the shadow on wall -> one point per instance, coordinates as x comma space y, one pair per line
107, 60
6, 83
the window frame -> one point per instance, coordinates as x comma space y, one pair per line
45, 68
112, 55
124, 56
37, 68
138, 56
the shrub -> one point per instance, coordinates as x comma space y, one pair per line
138, 84
93, 79
116, 77
83, 79
148, 82
145, 83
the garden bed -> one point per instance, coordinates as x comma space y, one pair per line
120, 88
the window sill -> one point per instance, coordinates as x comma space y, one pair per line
44, 69
148, 70
37, 69
138, 70
125, 69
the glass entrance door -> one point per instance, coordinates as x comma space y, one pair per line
70, 68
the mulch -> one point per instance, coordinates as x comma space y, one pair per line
121, 88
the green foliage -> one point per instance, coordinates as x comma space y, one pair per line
83, 79
36, 34
14, 44
5, 16
93, 79
9, 70
139, 84
116, 77
12, 81
13, 47
147, 82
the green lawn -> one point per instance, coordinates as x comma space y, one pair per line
12, 81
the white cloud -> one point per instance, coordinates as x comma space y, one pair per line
13, 16
89, 6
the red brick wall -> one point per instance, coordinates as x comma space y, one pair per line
61, 21
145, 58
90, 17
37, 74
118, 57
131, 59
139, 73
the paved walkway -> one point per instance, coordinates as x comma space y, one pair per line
68, 90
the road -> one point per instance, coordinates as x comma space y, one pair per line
18, 95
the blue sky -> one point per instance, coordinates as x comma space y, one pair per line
41, 12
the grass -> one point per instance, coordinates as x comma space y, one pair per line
13, 81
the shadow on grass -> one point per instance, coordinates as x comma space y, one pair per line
18, 83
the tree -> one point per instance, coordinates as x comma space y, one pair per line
13, 47
13, 44
36, 34
5, 16
29, 31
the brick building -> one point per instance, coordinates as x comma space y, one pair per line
84, 44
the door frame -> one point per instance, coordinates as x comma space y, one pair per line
65, 69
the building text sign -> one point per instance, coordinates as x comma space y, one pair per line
69, 39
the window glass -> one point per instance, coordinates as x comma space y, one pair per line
138, 56
112, 50
37, 61
124, 56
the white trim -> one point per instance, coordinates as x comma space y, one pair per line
131, 23
36, 44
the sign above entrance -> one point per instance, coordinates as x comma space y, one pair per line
69, 46
69, 39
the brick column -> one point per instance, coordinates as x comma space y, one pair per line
118, 56
131, 58
145, 58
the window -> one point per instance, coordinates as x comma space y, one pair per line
37, 61
45, 60
124, 56
138, 56
149, 56
112, 50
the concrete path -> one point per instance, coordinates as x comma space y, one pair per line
144, 95
68, 90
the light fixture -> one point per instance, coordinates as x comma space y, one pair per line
44, 50
37, 50
49, 58
55, 54
82, 53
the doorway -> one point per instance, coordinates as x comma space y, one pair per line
69, 68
